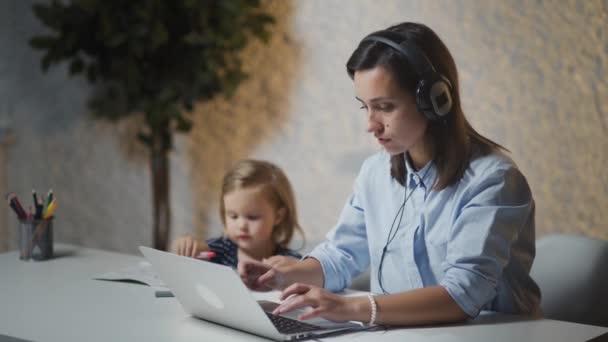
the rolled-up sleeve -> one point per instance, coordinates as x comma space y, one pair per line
491, 215
345, 253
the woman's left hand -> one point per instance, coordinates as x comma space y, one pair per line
280, 261
323, 303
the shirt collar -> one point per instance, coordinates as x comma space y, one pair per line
426, 175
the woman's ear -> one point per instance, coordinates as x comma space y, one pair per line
280, 216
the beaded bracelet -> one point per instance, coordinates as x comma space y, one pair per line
374, 309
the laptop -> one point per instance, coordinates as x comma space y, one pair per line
216, 293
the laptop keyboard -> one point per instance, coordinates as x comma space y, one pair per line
290, 326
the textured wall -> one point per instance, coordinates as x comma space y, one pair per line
533, 77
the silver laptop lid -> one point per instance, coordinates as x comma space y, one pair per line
211, 292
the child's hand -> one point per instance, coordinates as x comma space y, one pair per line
188, 246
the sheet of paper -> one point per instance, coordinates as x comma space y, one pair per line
141, 272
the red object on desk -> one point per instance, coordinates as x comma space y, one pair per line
206, 255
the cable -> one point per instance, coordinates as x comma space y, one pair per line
392, 235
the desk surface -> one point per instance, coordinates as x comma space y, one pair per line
57, 300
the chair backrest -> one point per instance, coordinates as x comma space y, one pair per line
572, 273
361, 283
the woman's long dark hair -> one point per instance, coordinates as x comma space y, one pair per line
453, 140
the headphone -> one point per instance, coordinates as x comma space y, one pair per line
434, 91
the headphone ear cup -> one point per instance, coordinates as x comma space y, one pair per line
434, 96
423, 102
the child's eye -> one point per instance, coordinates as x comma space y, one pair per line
232, 217
253, 217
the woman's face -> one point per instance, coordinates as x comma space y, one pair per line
391, 113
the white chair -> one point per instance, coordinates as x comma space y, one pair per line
572, 273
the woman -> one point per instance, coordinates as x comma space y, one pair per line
444, 219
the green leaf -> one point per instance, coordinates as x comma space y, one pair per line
76, 66
159, 37
48, 15
183, 124
42, 42
194, 38
116, 40
88, 5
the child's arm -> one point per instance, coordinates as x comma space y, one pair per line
189, 246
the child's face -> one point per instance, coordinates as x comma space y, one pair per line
250, 219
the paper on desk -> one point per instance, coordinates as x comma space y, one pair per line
141, 272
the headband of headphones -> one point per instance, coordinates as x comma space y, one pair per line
422, 65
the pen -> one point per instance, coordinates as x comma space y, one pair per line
206, 255
35, 197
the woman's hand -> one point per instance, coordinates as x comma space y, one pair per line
280, 261
189, 246
260, 276
324, 304
278, 272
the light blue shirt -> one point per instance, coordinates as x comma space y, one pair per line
475, 238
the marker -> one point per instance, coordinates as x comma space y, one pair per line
38, 206
49, 198
15, 209
16, 205
206, 255
35, 197
50, 210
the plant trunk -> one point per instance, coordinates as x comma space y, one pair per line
159, 165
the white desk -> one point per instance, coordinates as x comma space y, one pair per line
56, 300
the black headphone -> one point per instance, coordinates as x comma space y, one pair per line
434, 91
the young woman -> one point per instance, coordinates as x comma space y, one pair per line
444, 219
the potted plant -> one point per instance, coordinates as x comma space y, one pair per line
156, 57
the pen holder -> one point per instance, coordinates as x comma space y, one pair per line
36, 239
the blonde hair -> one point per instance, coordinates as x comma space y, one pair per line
250, 172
